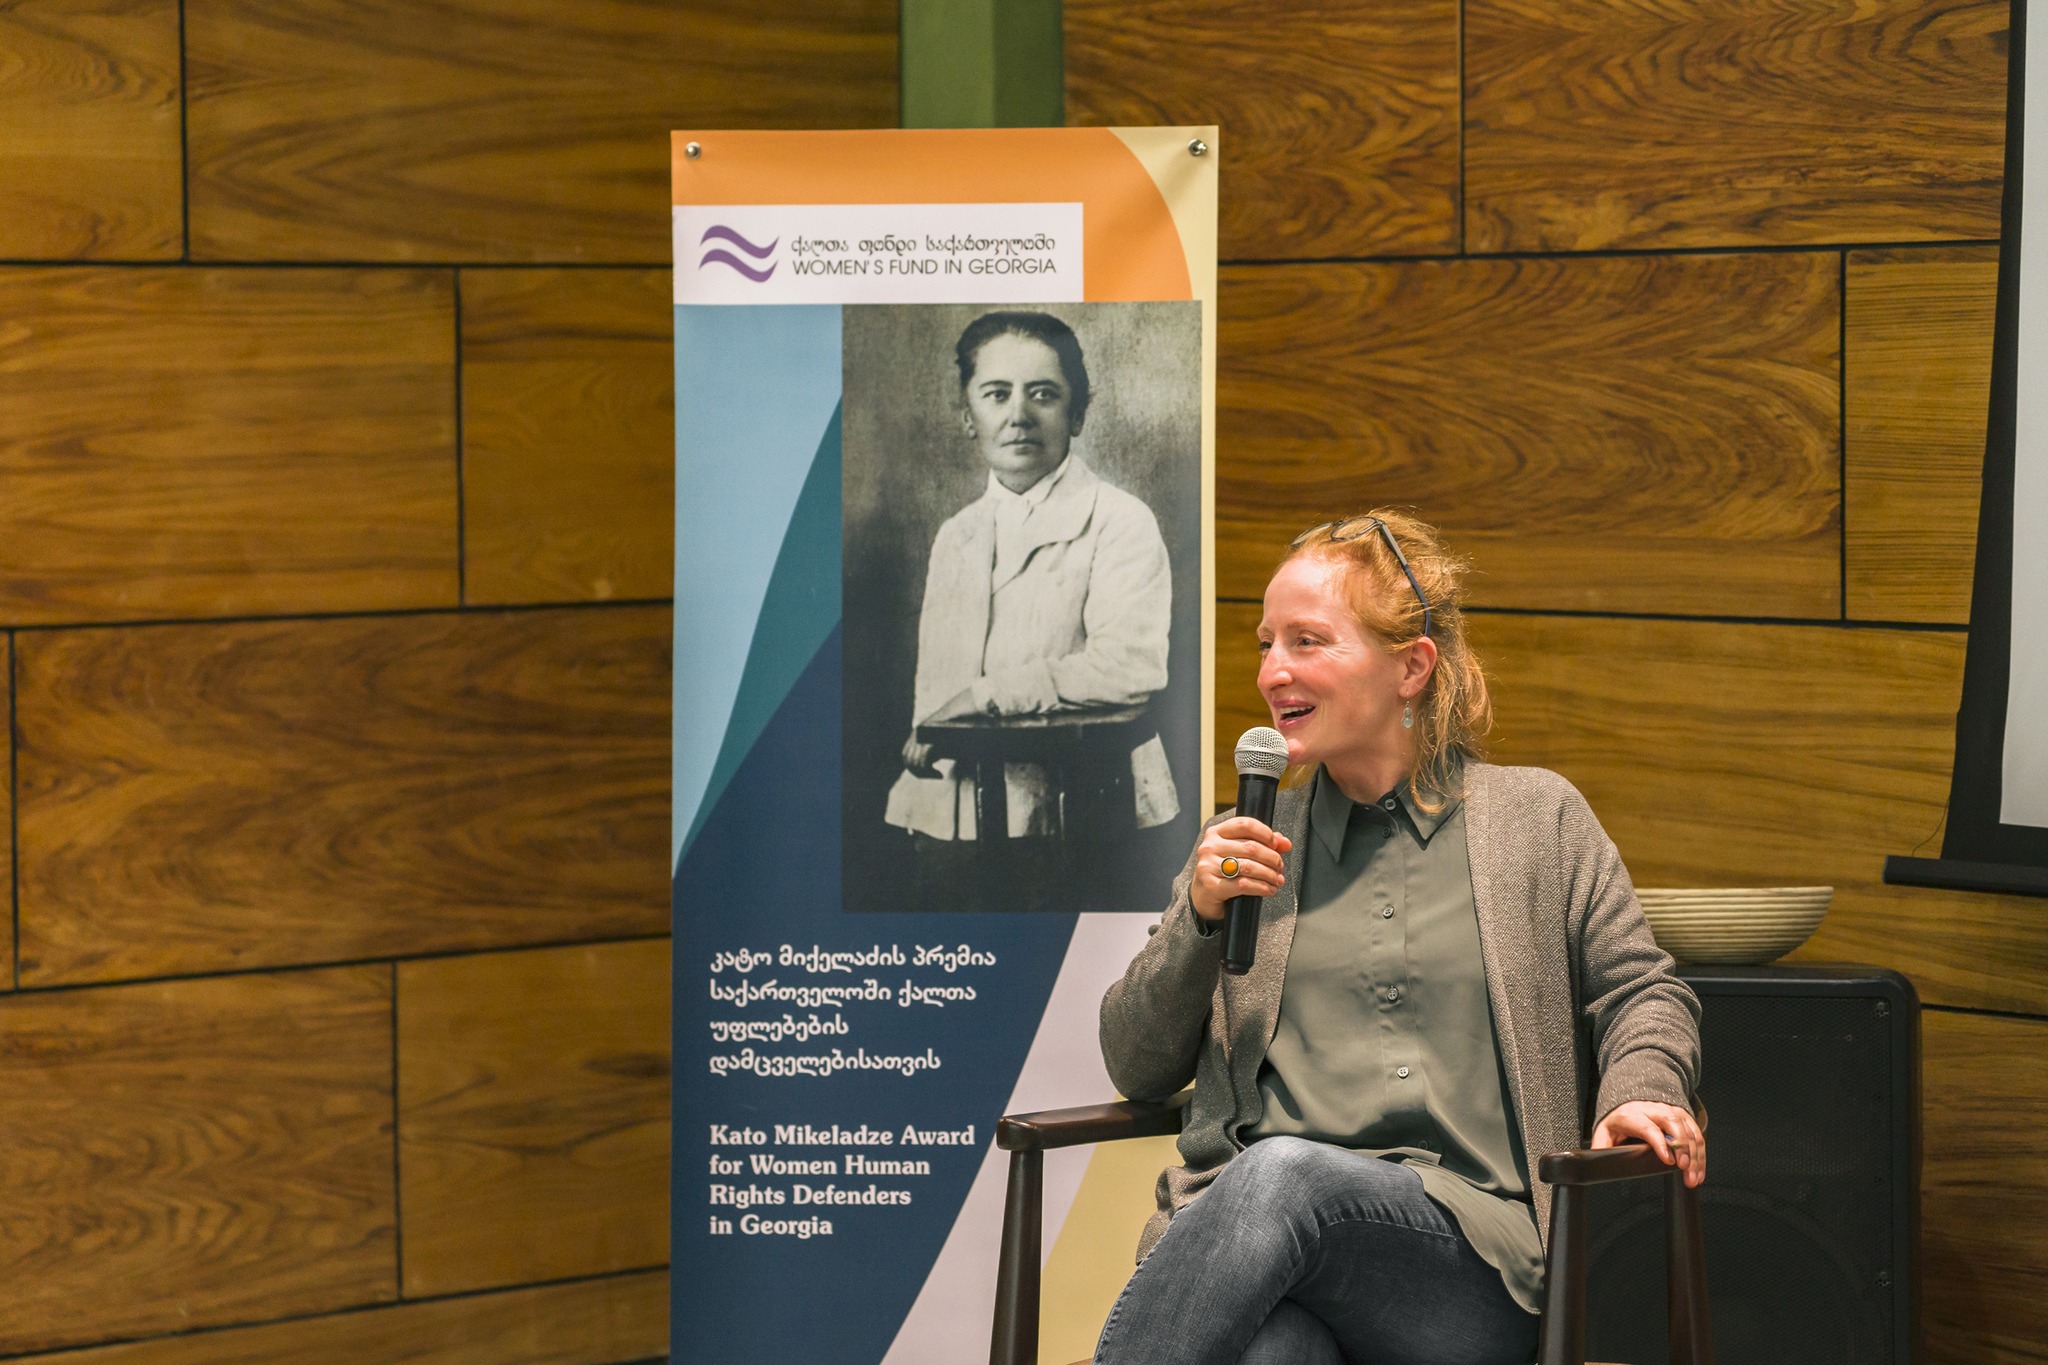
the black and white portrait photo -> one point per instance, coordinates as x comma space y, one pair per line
1022, 532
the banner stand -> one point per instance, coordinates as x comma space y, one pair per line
944, 585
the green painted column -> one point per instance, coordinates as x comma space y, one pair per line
982, 64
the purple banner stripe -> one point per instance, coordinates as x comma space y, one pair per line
727, 258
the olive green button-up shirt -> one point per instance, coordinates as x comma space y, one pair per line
1385, 1041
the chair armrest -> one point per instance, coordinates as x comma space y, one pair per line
1563, 1331
1050, 1128
1027, 1138
1629, 1161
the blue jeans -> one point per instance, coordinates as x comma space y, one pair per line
1306, 1254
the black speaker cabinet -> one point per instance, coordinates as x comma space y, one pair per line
1811, 1079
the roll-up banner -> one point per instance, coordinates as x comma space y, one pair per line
944, 453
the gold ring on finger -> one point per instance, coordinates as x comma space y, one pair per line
1228, 867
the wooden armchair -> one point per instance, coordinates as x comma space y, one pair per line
1562, 1336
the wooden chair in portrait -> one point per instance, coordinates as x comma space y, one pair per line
1085, 750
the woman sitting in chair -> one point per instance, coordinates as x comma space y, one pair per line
1453, 973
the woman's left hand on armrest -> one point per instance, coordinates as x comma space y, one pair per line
1673, 1133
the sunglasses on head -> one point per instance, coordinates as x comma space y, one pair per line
1352, 528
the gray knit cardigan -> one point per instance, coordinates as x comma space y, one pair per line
1578, 987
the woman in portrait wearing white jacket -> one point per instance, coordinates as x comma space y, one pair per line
1050, 591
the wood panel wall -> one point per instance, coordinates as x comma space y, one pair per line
1685, 340
337, 463
334, 580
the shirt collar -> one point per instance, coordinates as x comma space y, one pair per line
1034, 495
1330, 814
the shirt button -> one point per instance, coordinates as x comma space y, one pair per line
1393, 995
1386, 912
1390, 803
1402, 1072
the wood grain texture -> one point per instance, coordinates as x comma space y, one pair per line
1655, 434
595, 1322
495, 130
90, 163
1917, 373
1680, 123
1984, 1189
1747, 755
1340, 121
217, 442
201, 798
182, 1154
533, 1143
568, 435
7, 812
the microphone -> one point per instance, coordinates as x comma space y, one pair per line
1261, 758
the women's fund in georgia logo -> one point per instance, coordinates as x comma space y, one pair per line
719, 255
877, 253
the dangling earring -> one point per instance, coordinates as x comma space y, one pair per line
1407, 717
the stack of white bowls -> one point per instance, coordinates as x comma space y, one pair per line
1734, 925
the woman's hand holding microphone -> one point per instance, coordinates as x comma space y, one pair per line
1238, 857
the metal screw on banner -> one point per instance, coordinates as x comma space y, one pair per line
692, 150
1198, 148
